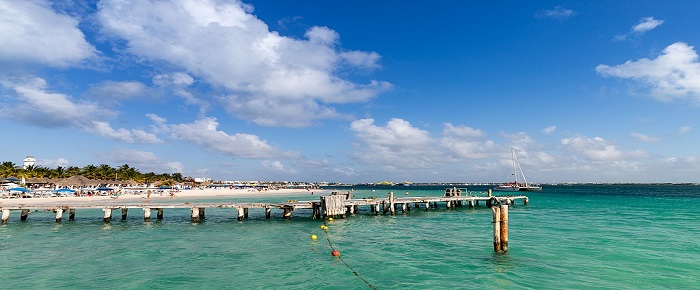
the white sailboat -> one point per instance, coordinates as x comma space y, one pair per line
516, 185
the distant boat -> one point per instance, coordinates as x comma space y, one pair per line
516, 185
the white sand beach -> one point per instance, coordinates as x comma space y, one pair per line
156, 196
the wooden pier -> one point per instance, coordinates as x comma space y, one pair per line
335, 205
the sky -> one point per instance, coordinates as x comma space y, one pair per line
355, 91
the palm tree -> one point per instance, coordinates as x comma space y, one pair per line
89, 171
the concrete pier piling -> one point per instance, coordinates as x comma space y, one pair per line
108, 215
25, 214
147, 214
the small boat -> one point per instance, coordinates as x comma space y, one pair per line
515, 185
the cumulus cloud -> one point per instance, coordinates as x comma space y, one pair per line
271, 79
643, 26
461, 131
674, 75
116, 91
35, 104
276, 166
32, 32
597, 149
558, 12
144, 160
204, 132
683, 130
549, 130
644, 138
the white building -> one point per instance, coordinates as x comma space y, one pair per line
29, 161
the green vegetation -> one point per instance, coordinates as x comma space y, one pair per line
103, 172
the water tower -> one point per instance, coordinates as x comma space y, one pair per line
29, 161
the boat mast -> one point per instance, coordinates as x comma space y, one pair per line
515, 170
515, 161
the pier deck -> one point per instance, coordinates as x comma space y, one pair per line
326, 206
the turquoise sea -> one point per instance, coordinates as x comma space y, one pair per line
568, 237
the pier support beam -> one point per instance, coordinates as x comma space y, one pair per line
245, 212
124, 213
241, 214
5, 216
392, 204
287, 213
25, 214
526, 201
471, 203
202, 216
504, 228
159, 215
108, 214
427, 205
71, 215
496, 228
59, 214
268, 212
195, 215
147, 214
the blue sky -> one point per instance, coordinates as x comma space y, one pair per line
355, 91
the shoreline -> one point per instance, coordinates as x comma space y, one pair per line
180, 196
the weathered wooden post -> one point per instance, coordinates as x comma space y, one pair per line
504, 228
392, 204
108, 215
147, 214
471, 203
71, 215
59, 214
5, 216
124, 212
268, 212
159, 215
202, 216
427, 205
245, 212
195, 214
287, 214
25, 214
496, 228
490, 192
241, 215
526, 201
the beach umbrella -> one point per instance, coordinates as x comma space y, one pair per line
11, 179
163, 187
64, 190
21, 189
104, 188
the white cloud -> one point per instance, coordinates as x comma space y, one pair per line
674, 75
276, 166
644, 25
549, 130
33, 103
683, 130
558, 12
461, 131
128, 136
204, 132
115, 91
398, 144
36, 105
143, 160
597, 149
644, 138
272, 80
32, 32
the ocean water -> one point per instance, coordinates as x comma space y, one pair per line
585, 236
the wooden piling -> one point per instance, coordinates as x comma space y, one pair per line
124, 213
59, 215
202, 216
504, 228
427, 206
108, 215
195, 214
241, 215
71, 215
146, 214
496, 229
268, 212
287, 214
159, 215
392, 203
5, 216
245, 212
526, 201
25, 214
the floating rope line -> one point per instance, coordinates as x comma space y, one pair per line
341, 259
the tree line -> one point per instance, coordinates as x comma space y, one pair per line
102, 171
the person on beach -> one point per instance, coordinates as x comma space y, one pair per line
148, 194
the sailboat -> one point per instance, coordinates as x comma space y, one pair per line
516, 185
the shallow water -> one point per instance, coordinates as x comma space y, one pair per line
614, 237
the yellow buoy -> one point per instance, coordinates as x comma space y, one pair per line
314, 237
330, 219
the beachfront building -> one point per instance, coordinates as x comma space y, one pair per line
29, 161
